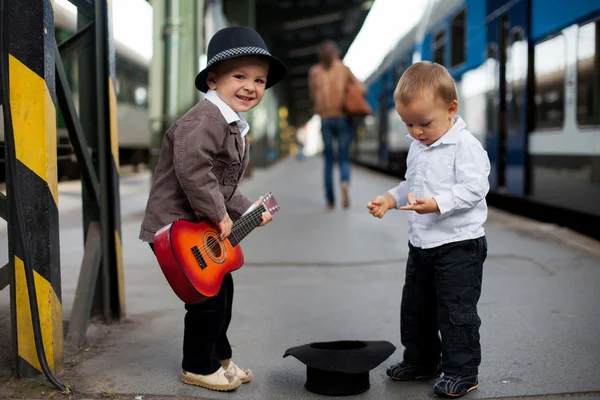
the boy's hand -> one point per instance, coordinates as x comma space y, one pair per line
225, 227
266, 216
380, 205
421, 205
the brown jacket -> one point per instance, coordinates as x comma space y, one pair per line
328, 86
198, 171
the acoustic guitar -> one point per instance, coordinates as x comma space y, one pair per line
194, 259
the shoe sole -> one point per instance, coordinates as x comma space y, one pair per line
232, 386
248, 377
416, 378
449, 395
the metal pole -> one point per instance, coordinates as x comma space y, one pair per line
103, 148
108, 154
172, 32
201, 40
156, 83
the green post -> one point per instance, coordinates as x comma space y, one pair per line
178, 43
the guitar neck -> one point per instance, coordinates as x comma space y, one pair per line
246, 224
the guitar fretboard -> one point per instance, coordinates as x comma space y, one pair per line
243, 226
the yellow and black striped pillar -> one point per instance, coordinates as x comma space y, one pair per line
33, 99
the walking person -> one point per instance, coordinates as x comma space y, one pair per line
327, 83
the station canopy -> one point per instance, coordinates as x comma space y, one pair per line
294, 29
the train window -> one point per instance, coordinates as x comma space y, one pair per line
588, 74
549, 94
493, 102
438, 46
458, 38
132, 84
516, 72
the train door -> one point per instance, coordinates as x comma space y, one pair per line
508, 58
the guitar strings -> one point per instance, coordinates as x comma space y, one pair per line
250, 220
212, 244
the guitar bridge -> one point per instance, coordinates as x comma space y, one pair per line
198, 257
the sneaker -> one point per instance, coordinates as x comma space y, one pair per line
455, 385
245, 375
408, 372
220, 380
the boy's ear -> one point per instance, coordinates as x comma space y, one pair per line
211, 80
453, 108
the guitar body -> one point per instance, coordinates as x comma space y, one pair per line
194, 260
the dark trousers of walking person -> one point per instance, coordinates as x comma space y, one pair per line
441, 291
332, 129
205, 341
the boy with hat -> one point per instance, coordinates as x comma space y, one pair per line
202, 159
445, 188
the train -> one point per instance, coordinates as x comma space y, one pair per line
131, 70
527, 75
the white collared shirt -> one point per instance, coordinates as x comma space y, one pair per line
228, 113
454, 171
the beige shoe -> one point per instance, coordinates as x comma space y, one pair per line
245, 375
345, 195
219, 380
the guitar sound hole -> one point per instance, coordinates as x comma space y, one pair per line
214, 247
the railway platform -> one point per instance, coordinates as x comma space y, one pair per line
315, 275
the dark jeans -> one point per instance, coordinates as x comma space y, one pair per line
441, 291
339, 128
205, 341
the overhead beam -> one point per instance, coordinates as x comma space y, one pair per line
300, 17
298, 83
313, 21
303, 51
299, 69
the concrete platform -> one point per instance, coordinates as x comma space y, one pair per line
313, 275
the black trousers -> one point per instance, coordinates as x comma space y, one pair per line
205, 341
440, 293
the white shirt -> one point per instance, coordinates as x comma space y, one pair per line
454, 171
228, 113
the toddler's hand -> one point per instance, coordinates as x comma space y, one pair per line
378, 206
421, 205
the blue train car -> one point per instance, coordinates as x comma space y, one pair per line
527, 74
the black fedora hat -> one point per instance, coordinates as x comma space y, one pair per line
239, 41
340, 368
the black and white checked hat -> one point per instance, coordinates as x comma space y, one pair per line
239, 41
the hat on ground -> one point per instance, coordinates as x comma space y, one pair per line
340, 368
239, 41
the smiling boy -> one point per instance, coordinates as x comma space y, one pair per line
202, 159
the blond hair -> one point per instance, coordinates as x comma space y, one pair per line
423, 78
